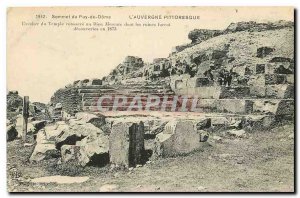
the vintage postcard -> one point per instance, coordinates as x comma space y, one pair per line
150, 99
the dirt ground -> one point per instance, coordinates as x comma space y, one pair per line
263, 161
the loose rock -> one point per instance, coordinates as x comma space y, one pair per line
44, 152
11, 133
172, 141
90, 150
76, 133
237, 133
39, 124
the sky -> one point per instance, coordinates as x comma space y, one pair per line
42, 59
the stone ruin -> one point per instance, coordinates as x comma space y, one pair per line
178, 137
261, 96
126, 144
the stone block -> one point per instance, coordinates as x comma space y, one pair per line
280, 59
258, 91
264, 51
96, 82
179, 137
274, 107
265, 106
290, 78
285, 107
126, 144
202, 82
44, 152
260, 68
235, 92
206, 105
280, 91
198, 82
262, 122
219, 123
272, 79
88, 151
231, 106
257, 80
270, 68
97, 120
203, 123
283, 69
212, 92
76, 133
53, 131
39, 124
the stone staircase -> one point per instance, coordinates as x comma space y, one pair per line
91, 94
224, 106
267, 97
236, 100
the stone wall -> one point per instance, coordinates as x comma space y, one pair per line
69, 98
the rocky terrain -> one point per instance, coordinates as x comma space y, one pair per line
227, 163
199, 35
241, 125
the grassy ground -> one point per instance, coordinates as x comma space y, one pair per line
261, 161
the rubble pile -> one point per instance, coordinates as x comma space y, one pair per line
132, 141
14, 101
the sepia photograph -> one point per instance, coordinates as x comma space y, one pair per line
150, 99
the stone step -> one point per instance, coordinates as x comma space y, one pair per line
83, 91
152, 86
219, 121
284, 91
96, 87
269, 91
236, 106
141, 85
95, 96
170, 97
125, 93
139, 90
244, 106
87, 89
